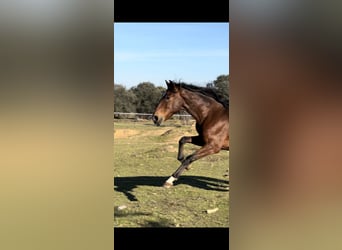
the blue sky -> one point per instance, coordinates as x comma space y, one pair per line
191, 52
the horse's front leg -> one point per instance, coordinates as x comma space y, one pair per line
204, 151
197, 140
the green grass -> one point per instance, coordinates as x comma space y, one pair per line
144, 157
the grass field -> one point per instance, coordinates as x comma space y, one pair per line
144, 157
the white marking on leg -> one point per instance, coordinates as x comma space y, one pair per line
171, 180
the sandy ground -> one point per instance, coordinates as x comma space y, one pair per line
125, 133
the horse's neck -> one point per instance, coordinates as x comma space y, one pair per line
197, 105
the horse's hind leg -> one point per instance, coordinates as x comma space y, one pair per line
196, 140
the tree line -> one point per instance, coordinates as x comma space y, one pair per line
144, 97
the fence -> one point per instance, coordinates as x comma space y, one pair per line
143, 116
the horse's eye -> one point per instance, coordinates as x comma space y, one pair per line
167, 97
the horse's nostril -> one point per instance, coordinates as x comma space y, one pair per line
155, 118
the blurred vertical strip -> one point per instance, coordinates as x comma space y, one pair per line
56, 129
286, 113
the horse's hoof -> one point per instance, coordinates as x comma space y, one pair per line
167, 185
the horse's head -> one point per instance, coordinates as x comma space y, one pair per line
170, 103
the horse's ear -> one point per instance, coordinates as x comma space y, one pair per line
169, 84
172, 86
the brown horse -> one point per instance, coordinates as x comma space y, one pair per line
211, 113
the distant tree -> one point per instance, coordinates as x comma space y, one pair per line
161, 90
148, 96
221, 84
124, 100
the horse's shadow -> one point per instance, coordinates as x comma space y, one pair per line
127, 184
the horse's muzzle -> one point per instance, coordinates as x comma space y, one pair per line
156, 120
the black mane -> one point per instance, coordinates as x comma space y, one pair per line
211, 92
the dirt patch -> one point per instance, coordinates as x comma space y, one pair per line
125, 133
156, 132
173, 135
167, 132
